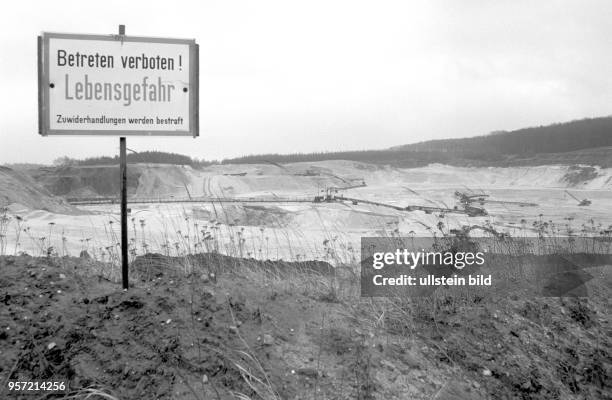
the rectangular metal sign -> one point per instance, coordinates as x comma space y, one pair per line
117, 85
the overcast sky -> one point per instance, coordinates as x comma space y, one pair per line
288, 76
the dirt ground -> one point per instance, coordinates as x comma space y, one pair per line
215, 327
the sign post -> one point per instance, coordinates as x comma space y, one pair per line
124, 225
117, 85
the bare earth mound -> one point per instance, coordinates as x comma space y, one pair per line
18, 188
215, 327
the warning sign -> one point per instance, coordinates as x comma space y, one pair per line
117, 85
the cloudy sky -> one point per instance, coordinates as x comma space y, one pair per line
301, 76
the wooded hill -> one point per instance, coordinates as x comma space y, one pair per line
150, 157
556, 138
587, 141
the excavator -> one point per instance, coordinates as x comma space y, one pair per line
331, 195
467, 199
581, 203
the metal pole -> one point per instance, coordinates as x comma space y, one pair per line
124, 222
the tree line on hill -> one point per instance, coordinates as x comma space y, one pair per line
556, 138
152, 157
492, 149
366, 156
497, 147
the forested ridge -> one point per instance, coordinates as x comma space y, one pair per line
556, 138
586, 141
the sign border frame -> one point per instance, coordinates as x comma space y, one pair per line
43, 86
